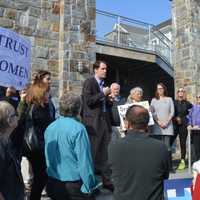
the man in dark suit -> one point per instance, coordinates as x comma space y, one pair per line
96, 119
139, 163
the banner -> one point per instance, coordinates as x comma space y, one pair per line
15, 53
123, 108
178, 189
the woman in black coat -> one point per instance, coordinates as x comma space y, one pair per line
41, 114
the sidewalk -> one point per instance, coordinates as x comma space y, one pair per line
105, 194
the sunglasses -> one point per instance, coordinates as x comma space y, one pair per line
181, 91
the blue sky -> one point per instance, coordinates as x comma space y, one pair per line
150, 11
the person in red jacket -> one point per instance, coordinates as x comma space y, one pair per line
196, 181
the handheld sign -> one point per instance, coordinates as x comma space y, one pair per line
15, 53
123, 108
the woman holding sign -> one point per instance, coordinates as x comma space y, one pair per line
162, 108
136, 95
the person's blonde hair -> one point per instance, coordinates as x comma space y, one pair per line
184, 96
5, 109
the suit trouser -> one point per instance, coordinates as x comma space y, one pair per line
115, 133
99, 146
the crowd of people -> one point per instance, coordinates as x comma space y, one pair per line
67, 153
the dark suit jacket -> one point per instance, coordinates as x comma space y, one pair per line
92, 110
139, 165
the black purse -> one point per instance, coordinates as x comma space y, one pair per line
31, 142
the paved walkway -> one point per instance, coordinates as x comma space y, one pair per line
105, 194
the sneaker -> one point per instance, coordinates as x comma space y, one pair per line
181, 165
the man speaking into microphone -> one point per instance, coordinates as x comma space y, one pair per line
96, 102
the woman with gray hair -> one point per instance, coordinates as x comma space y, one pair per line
135, 95
11, 139
68, 157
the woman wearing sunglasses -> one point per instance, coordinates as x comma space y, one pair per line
182, 107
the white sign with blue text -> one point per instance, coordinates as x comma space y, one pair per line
15, 53
123, 108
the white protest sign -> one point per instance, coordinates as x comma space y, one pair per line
15, 53
123, 108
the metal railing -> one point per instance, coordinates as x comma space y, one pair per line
128, 33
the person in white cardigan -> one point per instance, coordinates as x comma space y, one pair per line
162, 108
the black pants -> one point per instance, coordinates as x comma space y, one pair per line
196, 143
58, 190
37, 160
181, 130
99, 147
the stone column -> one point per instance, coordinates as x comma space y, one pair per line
62, 35
37, 21
186, 45
76, 43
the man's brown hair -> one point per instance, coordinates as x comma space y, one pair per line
39, 75
96, 65
165, 90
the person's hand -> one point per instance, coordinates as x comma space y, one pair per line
162, 125
165, 124
106, 91
178, 120
189, 127
110, 98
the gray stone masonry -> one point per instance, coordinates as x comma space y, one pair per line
62, 35
186, 45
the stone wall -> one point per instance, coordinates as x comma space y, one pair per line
186, 45
62, 34
77, 42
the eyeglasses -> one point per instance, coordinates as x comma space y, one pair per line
181, 91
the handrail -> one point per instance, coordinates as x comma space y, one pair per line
130, 33
106, 13
115, 15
